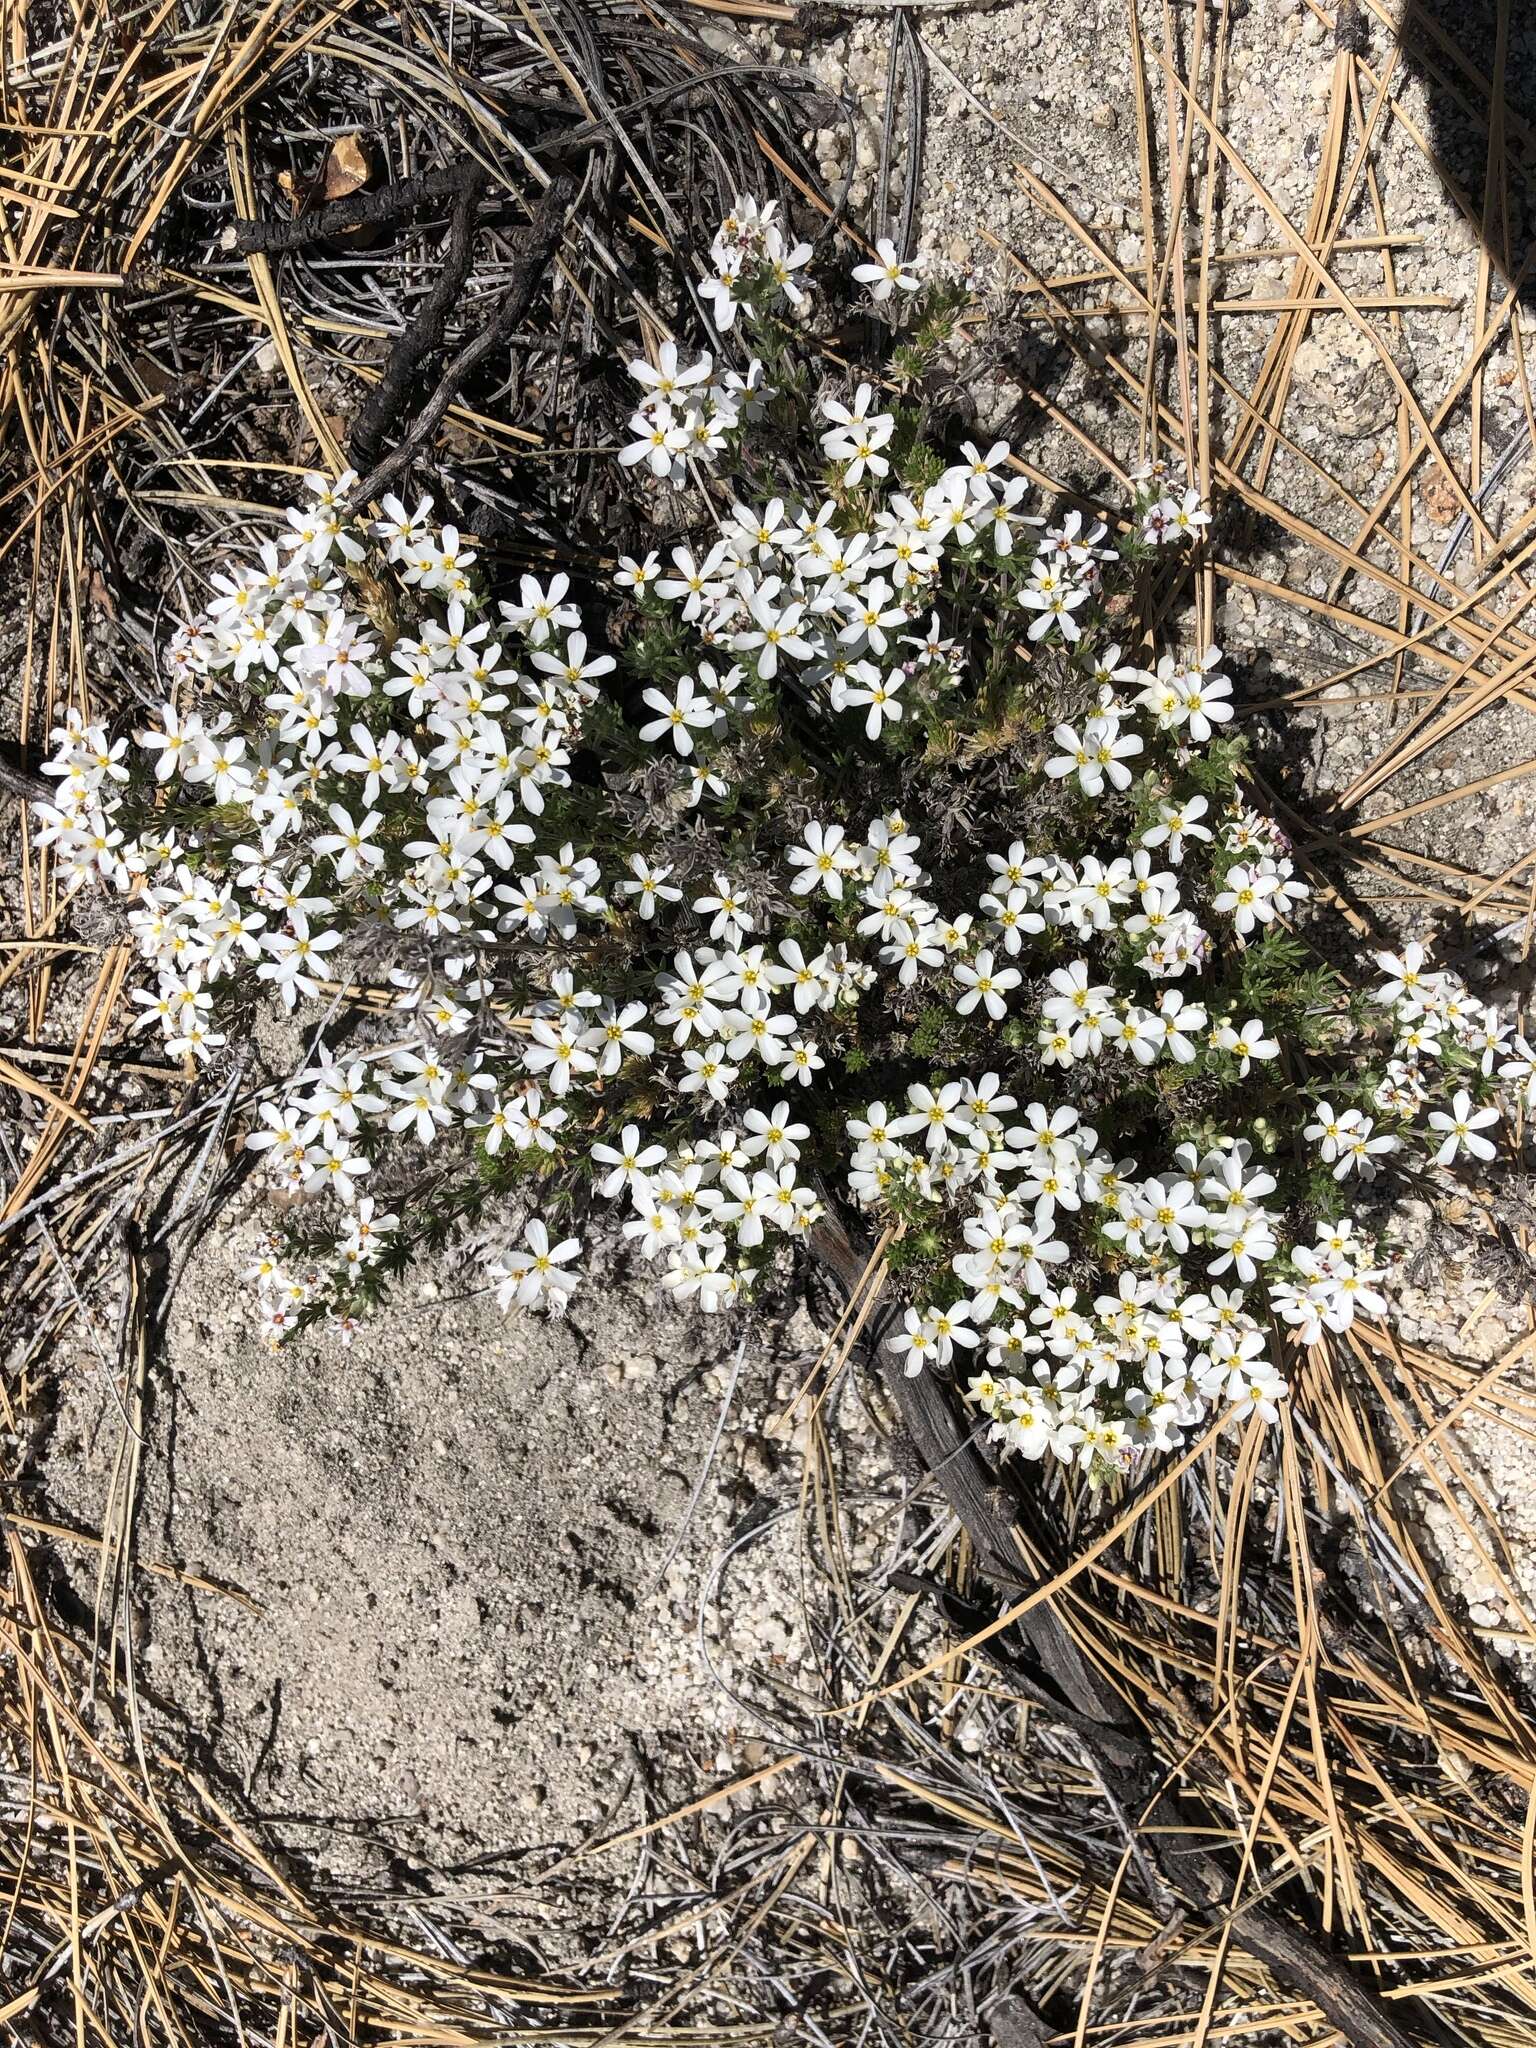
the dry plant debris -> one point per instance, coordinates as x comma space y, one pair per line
904, 1866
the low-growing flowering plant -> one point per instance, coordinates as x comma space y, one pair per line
853, 850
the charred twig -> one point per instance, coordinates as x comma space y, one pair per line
543, 238
358, 210
21, 782
426, 333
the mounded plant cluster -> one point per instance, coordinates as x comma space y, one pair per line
853, 847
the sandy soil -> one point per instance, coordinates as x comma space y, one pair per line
467, 1634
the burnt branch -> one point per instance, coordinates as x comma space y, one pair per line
358, 210
21, 782
542, 239
426, 334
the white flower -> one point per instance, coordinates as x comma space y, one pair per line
1407, 980
1189, 516
730, 918
533, 1274
702, 779
1177, 823
720, 291
178, 741
1248, 1044
823, 861
802, 1061
1359, 1147
296, 962
1099, 756
1326, 1131
666, 378
540, 611
660, 441
986, 983
1521, 1072
337, 1169
1205, 705
939, 1115
941, 1330
783, 262
858, 436
916, 1343
869, 614
574, 669
649, 886
1461, 1127
888, 273
774, 631
1053, 599
884, 700
348, 846
1248, 899
697, 583
774, 1133
708, 1072
679, 715
1254, 1384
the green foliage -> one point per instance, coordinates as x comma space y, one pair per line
935, 1030
1215, 771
